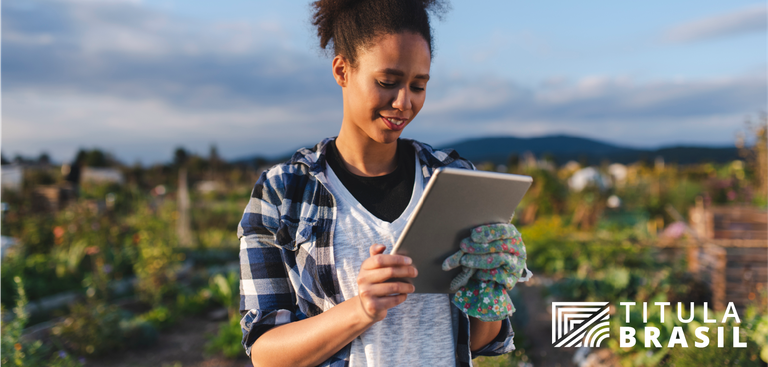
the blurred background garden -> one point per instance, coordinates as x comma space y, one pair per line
134, 130
102, 261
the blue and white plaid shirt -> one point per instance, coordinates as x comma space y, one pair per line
286, 261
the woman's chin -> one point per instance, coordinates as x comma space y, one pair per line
388, 136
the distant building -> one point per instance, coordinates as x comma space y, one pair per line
12, 177
618, 173
587, 177
529, 161
209, 186
101, 175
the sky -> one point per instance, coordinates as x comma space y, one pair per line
141, 78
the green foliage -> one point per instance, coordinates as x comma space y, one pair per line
37, 233
557, 250
613, 265
756, 326
91, 329
711, 355
88, 245
160, 317
639, 355
225, 290
228, 340
13, 351
157, 259
40, 278
760, 201
547, 192
23, 353
215, 221
194, 303
122, 197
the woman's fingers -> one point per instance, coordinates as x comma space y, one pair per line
386, 289
376, 294
377, 299
378, 259
376, 249
379, 275
382, 261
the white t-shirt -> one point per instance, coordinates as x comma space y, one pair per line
417, 332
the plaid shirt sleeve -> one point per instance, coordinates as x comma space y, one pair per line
267, 298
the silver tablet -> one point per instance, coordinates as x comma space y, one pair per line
454, 202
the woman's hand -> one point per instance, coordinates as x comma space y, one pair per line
375, 293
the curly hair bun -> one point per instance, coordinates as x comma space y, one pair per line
352, 24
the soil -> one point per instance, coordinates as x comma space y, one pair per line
182, 346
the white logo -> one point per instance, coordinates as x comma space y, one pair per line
576, 324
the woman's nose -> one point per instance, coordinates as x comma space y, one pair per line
402, 101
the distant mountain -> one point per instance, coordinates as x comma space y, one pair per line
563, 148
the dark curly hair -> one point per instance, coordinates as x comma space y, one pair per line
350, 25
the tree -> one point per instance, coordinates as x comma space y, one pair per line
96, 158
44, 159
213, 161
180, 156
93, 158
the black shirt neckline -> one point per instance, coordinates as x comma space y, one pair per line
386, 196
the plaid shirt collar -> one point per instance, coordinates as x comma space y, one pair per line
314, 159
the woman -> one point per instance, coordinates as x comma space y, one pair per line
317, 231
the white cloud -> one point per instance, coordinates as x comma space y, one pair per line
147, 130
600, 98
748, 20
122, 77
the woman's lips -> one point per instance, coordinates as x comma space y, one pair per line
394, 123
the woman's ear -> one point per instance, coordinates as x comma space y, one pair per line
341, 69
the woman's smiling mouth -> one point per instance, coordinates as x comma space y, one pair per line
394, 123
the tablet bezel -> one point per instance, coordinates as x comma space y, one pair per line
501, 195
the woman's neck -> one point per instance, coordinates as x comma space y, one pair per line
363, 156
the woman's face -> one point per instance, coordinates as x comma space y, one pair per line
387, 87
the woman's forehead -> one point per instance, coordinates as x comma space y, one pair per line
400, 53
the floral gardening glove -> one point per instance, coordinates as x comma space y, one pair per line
493, 261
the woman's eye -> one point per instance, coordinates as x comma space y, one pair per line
417, 89
386, 85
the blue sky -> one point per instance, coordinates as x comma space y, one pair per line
139, 78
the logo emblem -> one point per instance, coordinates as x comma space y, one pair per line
576, 324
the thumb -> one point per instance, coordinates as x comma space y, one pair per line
376, 249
